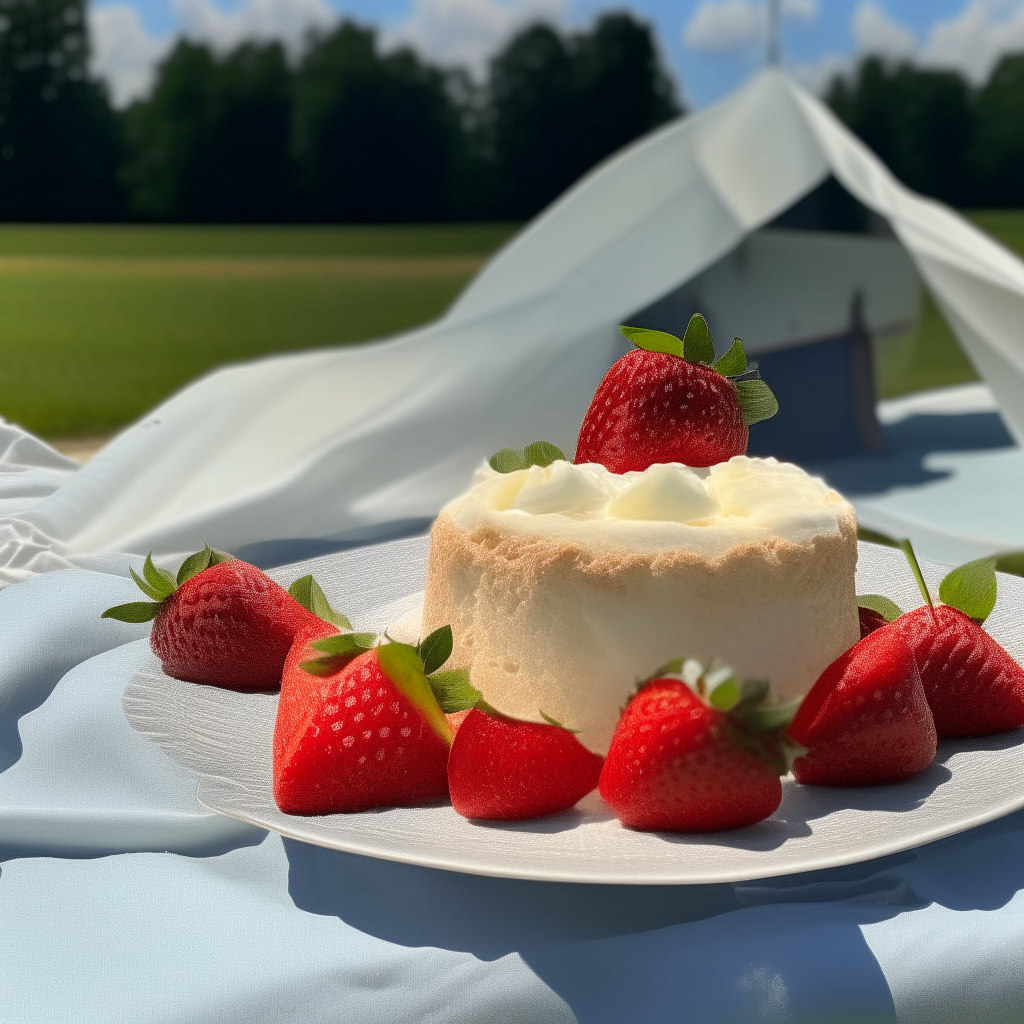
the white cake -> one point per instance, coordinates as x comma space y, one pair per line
566, 585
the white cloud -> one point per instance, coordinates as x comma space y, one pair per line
468, 32
289, 21
972, 42
725, 26
876, 33
123, 52
976, 39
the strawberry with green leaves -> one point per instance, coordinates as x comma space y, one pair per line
360, 726
669, 400
697, 751
222, 622
866, 720
973, 685
507, 769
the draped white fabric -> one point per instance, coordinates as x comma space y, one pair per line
338, 443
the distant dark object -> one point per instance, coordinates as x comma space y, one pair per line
558, 105
936, 134
212, 142
60, 143
375, 137
826, 399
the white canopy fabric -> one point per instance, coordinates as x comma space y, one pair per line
339, 443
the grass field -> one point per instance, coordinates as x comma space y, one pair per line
98, 324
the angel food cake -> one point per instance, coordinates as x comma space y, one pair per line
567, 584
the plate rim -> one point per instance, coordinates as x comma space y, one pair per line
618, 870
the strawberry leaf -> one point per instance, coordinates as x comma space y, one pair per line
195, 564
436, 649
670, 668
697, 344
756, 401
889, 610
908, 549
653, 341
768, 718
734, 362
971, 589
453, 690
539, 453
543, 453
149, 591
555, 722
726, 695
344, 643
307, 592
135, 611
508, 460
159, 579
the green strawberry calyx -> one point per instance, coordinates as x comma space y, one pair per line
309, 594
756, 399
751, 722
158, 584
970, 588
416, 670
539, 453
889, 610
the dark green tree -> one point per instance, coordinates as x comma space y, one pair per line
60, 143
375, 136
212, 142
560, 105
997, 156
921, 123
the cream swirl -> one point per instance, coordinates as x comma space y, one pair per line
668, 506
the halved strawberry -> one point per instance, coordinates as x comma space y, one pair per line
221, 621
680, 763
506, 769
866, 720
666, 402
360, 727
974, 687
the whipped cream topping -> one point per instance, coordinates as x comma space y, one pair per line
668, 506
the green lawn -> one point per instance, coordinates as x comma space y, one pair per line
99, 324
931, 357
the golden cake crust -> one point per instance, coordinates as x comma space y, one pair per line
546, 624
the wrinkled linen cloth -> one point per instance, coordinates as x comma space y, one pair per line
122, 899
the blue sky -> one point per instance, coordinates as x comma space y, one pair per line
710, 45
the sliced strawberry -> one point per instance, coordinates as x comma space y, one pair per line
506, 769
875, 611
369, 734
665, 402
866, 720
974, 687
677, 764
221, 621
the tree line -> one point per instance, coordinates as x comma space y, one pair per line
349, 133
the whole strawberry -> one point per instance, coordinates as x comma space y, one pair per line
221, 621
974, 687
505, 769
678, 763
358, 728
866, 720
669, 401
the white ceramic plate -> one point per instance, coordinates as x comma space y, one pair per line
225, 738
